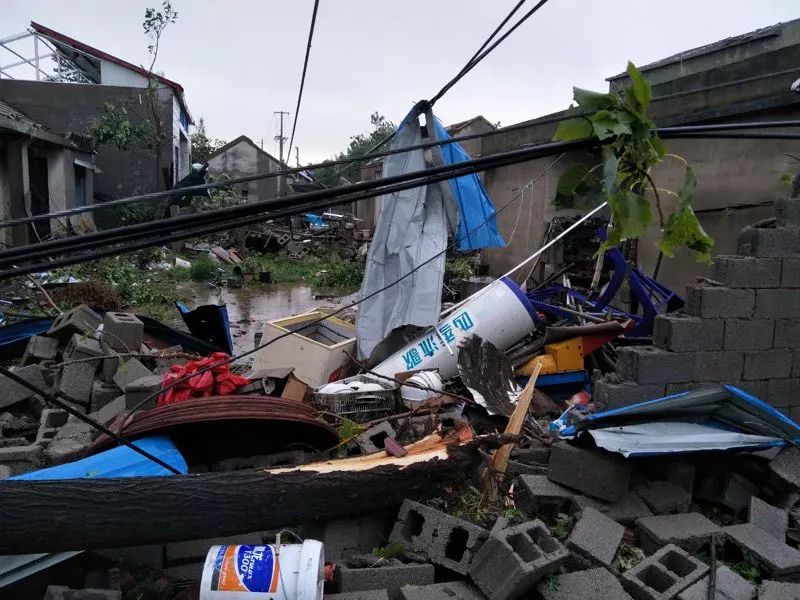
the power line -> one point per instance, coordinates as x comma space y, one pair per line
303, 76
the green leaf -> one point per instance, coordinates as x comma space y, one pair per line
609, 124
658, 145
590, 101
610, 167
683, 228
573, 129
577, 188
631, 214
639, 89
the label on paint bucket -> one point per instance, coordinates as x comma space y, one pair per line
245, 569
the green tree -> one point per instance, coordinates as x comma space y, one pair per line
202, 145
359, 145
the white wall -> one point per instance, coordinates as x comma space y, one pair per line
114, 74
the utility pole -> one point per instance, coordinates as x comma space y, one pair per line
281, 139
297, 155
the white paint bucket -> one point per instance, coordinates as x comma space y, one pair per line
285, 572
500, 313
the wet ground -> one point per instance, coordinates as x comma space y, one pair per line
250, 307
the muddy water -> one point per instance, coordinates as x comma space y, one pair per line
250, 307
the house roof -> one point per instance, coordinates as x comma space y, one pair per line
456, 127
246, 140
64, 40
750, 36
9, 112
16, 121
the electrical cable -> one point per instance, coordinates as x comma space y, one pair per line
315, 322
54, 399
303, 76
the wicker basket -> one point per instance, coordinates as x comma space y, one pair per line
359, 407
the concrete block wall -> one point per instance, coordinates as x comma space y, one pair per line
741, 328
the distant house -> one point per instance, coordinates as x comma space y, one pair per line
63, 84
242, 157
41, 172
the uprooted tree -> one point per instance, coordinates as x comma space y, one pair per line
631, 148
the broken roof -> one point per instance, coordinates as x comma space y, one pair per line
456, 127
246, 140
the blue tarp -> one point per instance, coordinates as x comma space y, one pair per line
118, 462
474, 205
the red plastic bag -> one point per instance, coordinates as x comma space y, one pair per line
217, 381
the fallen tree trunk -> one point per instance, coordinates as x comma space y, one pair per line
84, 514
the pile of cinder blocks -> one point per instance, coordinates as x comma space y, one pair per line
741, 327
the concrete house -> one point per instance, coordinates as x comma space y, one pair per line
742, 78
242, 157
63, 84
41, 172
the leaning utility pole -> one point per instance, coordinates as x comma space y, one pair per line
297, 155
281, 139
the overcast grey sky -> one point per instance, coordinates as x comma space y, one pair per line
240, 60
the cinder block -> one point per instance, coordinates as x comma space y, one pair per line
122, 331
40, 348
759, 389
129, 371
447, 541
110, 411
768, 364
673, 389
531, 456
13, 392
595, 537
787, 212
783, 392
663, 575
681, 333
74, 381
786, 465
362, 595
689, 531
80, 319
781, 242
49, 422
747, 271
748, 334
371, 440
681, 474
21, 459
450, 590
60, 592
616, 395
736, 492
82, 347
664, 497
140, 389
773, 520
727, 586
596, 474
646, 364
390, 578
536, 494
774, 556
584, 585
625, 510
718, 367
71, 441
102, 394
777, 304
511, 562
776, 590
790, 273
718, 302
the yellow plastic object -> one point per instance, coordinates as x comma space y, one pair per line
557, 358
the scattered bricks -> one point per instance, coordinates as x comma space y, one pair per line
531, 456
743, 334
129, 371
771, 519
499, 524
447, 541
681, 388
71, 441
372, 440
664, 575
767, 364
786, 465
736, 492
718, 366
717, 302
777, 304
344, 537
682, 474
511, 562
787, 212
49, 423
74, 381
584, 585
515, 468
140, 389
451, 590
102, 394
122, 331
80, 319
59, 592
664, 497
778, 559
21, 459
589, 471
727, 586
362, 595
747, 271
625, 510
689, 531
680, 333
766, 242
790, 273
537, 494
14, 392
81, 347
595, 537
616, 395
390, 578
783, 392
40, 348
775, 590
109, 412
649, 365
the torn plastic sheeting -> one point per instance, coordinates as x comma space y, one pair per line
729, 416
